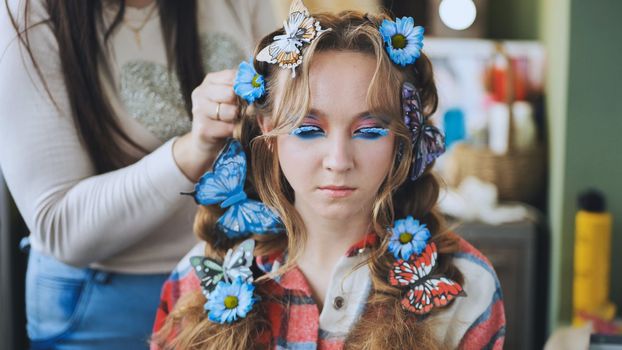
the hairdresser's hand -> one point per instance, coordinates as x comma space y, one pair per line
214, 115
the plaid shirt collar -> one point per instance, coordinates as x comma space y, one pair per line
293, 279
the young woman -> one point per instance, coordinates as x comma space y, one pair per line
93, 95
340, 150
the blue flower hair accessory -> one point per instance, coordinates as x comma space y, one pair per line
249, 84
403, 40
230, 301
229, 286
225, 185
408, 237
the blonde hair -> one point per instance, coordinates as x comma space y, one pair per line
384, 324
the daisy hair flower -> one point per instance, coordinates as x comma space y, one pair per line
403, 40
230, 301
249, 84
408, 236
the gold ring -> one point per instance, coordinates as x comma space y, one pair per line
218, 111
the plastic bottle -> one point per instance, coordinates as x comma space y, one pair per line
592, 260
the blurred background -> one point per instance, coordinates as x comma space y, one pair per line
532, 109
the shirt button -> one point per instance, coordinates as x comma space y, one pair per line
338, 302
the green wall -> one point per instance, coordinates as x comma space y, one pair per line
512, 19
593, 155
554, 25
585, 120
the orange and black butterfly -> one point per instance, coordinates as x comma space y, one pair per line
425, 291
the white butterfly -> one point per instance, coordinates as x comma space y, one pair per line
236, 264
300, 29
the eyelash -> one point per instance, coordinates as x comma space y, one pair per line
308, 132
366, 133
371, 133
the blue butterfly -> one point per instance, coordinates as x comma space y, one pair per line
225, 185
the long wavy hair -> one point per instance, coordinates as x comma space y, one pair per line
82, 38
384, 324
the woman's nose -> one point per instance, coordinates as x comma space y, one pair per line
339, 155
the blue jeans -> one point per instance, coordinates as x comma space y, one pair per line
82, 308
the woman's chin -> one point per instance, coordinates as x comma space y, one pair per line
341, 211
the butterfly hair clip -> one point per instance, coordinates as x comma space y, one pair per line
428, 143
236, 264
425, 290
225, 186
300, 30
228, 287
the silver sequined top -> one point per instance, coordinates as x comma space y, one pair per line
151, 92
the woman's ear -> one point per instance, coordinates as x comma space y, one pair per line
265, 123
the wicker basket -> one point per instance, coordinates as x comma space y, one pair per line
518, 175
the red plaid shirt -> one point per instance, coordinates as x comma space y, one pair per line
296, 319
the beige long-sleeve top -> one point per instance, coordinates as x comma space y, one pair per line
134, 219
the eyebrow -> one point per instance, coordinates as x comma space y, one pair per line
365, 115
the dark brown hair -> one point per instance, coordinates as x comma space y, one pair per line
75, 25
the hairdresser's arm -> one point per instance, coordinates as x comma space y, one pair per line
72, 213
195, 152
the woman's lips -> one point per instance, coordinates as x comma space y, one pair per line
337, 191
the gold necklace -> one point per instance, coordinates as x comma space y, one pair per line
136, 30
